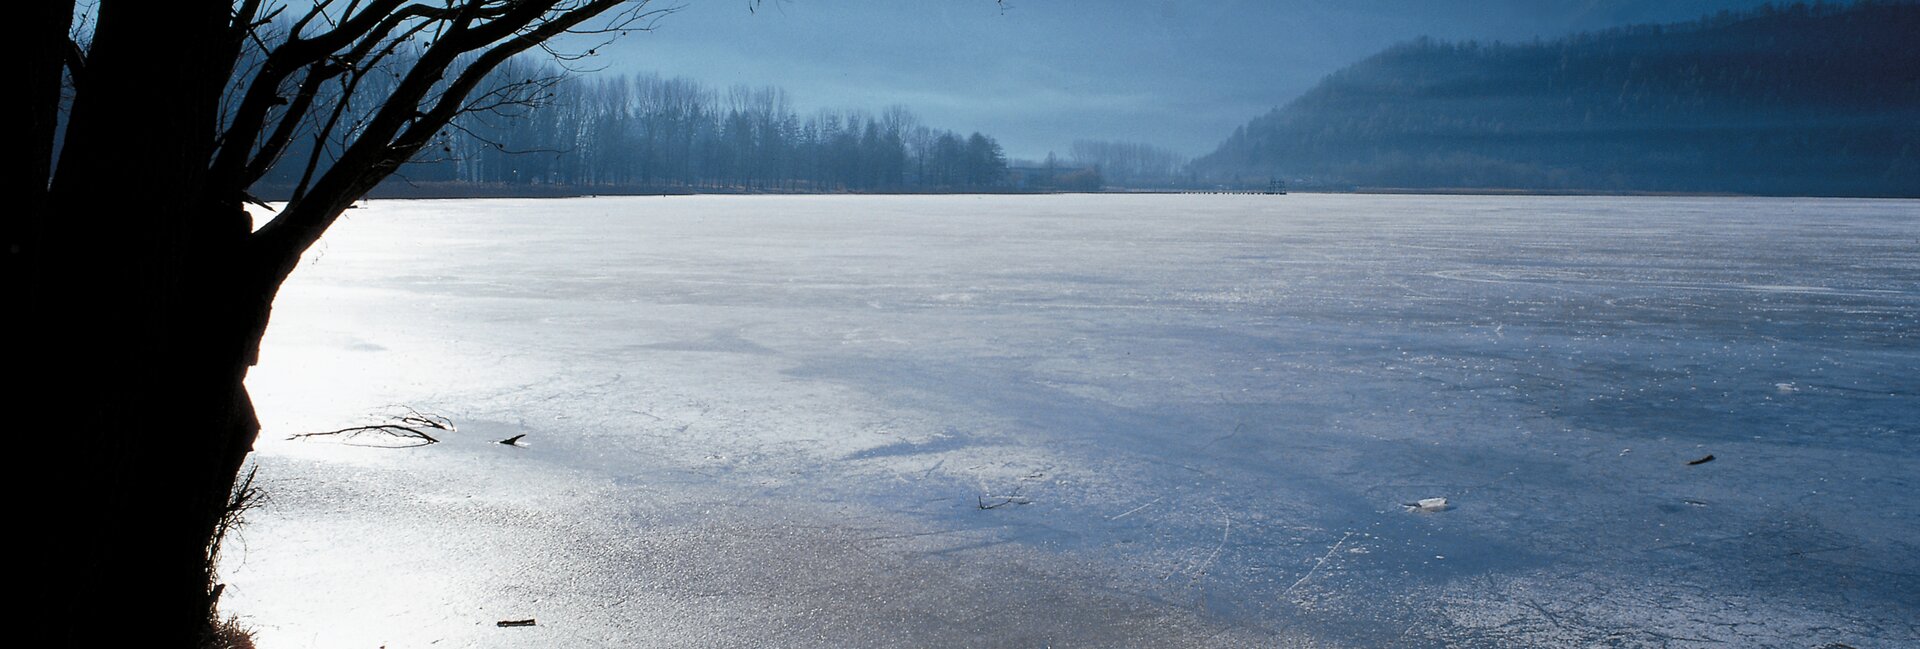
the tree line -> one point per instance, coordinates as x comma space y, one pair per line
1132, 164
645, 131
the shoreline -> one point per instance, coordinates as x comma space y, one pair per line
474, 191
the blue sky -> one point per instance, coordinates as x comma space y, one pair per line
1039, 74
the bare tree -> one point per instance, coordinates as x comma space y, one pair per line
139, 287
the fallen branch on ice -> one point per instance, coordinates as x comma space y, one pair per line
411, 425
1003, 501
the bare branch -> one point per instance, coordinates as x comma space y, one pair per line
364, 59
295, 54
400, 128
410, 427
76, 61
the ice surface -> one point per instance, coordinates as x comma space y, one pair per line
1098, 421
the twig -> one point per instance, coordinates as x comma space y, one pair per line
1236, 431
1004, 501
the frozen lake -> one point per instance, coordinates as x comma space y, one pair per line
1025, 421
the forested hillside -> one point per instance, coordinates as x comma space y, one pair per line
1797, 100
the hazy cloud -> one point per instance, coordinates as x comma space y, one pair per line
1039, 74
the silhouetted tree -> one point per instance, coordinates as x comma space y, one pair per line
985, 164
139, 287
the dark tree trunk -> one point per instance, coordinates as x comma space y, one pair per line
32, 148
138, 289
141, 333
48, 23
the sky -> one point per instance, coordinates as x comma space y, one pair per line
1039, 74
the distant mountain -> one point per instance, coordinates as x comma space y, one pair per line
1798, 100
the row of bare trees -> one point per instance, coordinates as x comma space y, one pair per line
1132, 164
648, 131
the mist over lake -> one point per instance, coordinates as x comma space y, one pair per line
1096, 420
